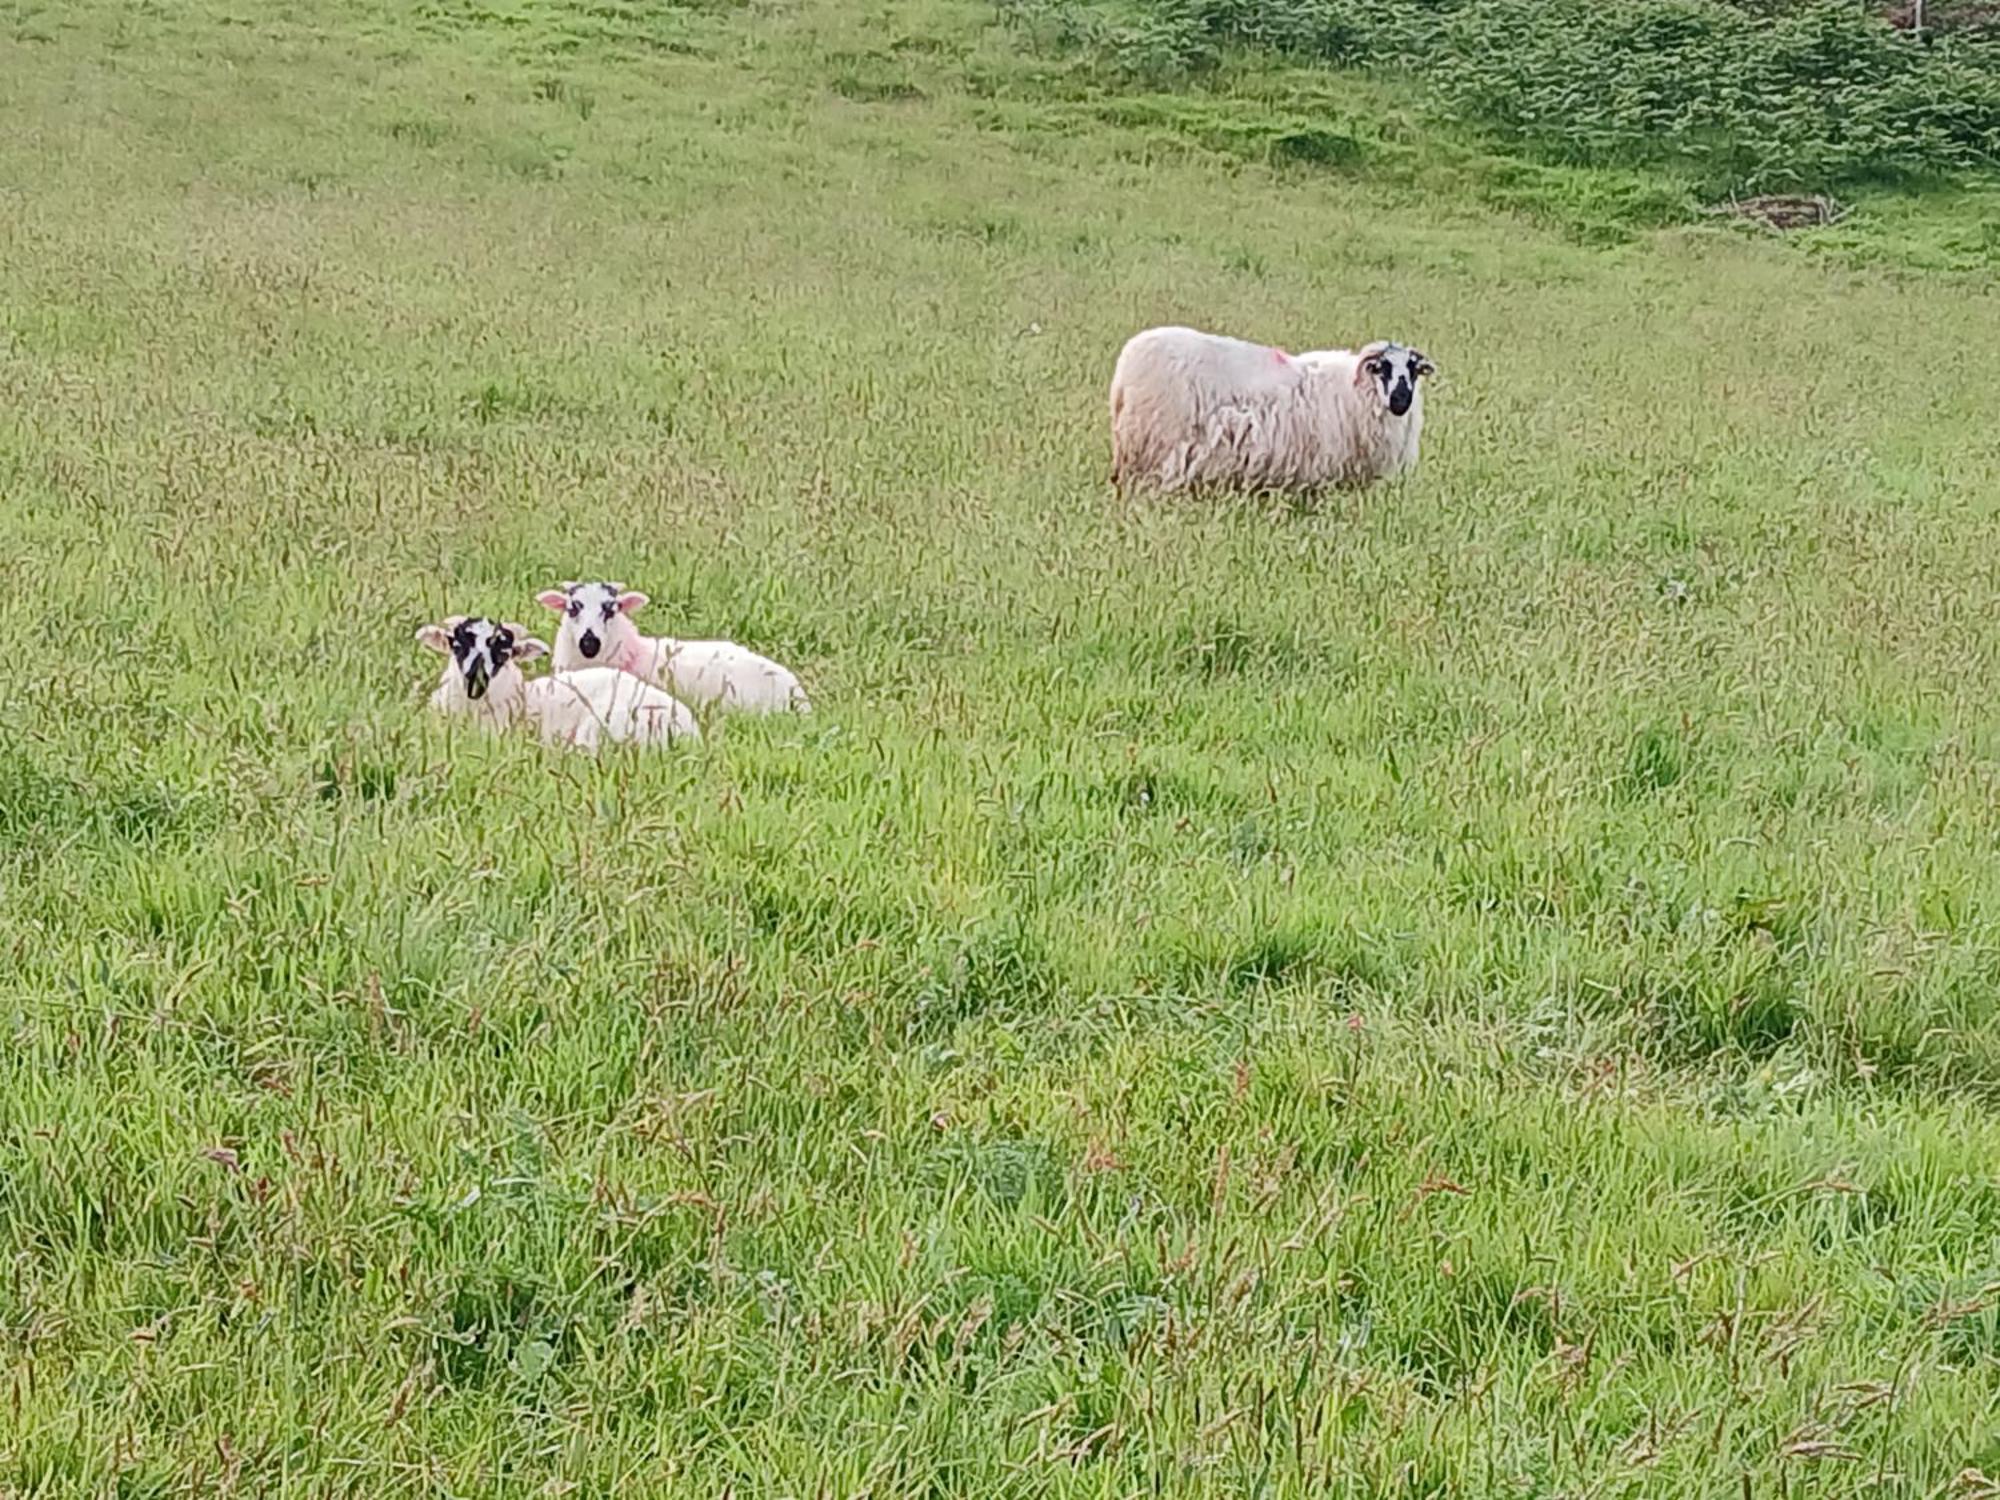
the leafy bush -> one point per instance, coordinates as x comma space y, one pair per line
1740, 96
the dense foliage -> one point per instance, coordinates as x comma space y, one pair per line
1739, 97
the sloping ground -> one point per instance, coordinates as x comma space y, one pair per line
1714, 98
1486, 988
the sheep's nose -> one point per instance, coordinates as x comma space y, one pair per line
588, 643
475, 678
1399, 399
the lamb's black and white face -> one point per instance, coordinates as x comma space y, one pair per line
479, 648
1395, 370
591, 613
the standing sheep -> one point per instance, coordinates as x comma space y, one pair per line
482, 680
1192, 409
597, 628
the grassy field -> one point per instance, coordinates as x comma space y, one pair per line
1489, 988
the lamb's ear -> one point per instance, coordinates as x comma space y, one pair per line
631, 602
436, 637
526, 647
555, 599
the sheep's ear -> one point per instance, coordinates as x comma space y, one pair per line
526, 647
436, 637
1365, 368
631, 602
555, 599
1423, 365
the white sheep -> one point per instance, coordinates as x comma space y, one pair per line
482, 680
1193, 409
597, 627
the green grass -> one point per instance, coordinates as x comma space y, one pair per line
1490, 987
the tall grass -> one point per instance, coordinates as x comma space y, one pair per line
1486, 987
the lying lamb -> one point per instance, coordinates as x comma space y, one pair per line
482, 680
1192, 409
597, 627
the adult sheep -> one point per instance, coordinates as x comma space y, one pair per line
1192, 409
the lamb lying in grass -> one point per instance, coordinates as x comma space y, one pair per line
482, 680
597, 628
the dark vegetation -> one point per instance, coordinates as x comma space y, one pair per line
1732, 98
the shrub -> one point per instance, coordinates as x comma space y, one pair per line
1749, 96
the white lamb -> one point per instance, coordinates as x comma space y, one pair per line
1193, 409
597, 628
482, 680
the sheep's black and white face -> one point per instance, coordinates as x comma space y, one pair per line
592, 613
480, 648
1395, 371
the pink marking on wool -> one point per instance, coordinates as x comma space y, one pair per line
1280, 356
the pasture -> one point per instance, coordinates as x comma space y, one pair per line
1488, 987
